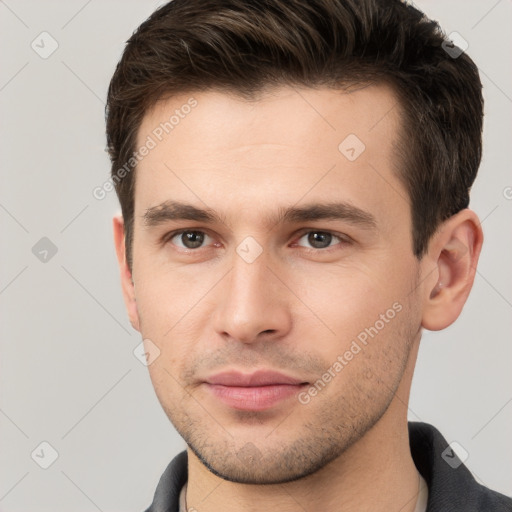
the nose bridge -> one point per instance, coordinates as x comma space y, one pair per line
251, 279
251, 301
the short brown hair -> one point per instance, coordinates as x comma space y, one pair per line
245, 46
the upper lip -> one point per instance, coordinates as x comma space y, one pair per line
258, 378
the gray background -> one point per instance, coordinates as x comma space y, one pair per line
67, 369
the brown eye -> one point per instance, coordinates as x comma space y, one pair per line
319, 239
189, 239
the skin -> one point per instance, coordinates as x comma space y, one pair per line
298, 305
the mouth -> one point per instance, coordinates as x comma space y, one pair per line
253, 392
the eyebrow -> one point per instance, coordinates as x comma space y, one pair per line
175, 210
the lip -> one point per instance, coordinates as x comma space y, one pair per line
253, 392
259, 378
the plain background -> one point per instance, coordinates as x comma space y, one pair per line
68, 373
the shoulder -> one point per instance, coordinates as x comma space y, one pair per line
451, 485
166, 498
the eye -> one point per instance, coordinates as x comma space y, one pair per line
188, 239
194, 239
320, 239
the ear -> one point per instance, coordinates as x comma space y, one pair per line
126, 275
454, 251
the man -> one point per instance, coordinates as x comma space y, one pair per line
294, 180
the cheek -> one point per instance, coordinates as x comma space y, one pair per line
166, 296
352, 299
175, 309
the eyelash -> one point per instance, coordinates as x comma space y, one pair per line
343, 240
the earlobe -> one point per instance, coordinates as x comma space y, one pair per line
127, 283
454, 249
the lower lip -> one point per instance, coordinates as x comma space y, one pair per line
257, 398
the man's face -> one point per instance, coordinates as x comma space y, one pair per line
330, 303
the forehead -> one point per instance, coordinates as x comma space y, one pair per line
275, 116
219, 149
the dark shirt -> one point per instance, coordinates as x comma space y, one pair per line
451, 487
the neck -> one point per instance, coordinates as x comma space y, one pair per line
377, 473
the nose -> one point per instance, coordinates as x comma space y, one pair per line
253, 303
